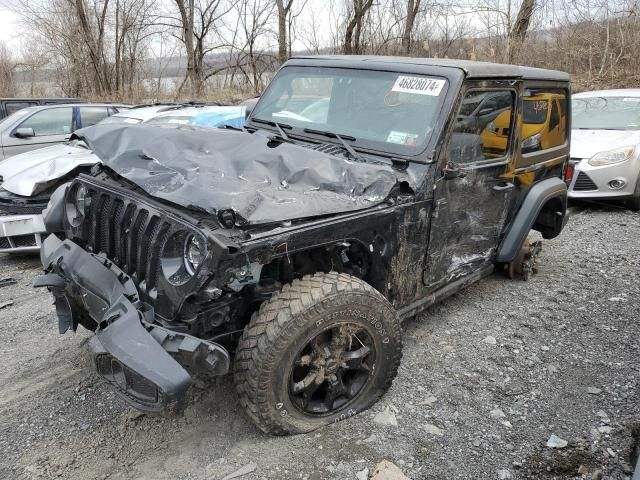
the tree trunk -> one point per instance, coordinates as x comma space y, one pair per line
518, 32
353, 30
284, 8
413, 6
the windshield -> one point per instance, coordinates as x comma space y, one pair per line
119, 119
392, 112
535, 111
607, 113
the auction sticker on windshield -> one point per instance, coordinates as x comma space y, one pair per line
418, 85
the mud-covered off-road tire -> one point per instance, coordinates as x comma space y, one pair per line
269, 346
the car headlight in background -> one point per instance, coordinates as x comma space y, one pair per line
610, 157
194, 253
491, 127
531, 144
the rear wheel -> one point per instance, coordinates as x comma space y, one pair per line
323, 349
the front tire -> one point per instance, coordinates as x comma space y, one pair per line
323, 349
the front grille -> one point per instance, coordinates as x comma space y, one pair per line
24, 241
18, 241
127, 233
584, 183
12, 204
21, 209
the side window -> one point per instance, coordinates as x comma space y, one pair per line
91, 115
483, 127
544, 119
13, 107
53, 121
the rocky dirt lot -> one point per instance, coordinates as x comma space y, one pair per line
487, 378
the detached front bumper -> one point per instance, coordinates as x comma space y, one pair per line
21, 233
142, 360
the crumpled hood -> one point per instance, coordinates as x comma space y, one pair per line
30, 173
262, 181
586, 143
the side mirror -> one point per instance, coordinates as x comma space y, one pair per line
24, 132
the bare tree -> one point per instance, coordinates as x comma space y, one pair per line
253, 59
198, 24
7, 78
518, 31
353, 32
284, 10
413, 7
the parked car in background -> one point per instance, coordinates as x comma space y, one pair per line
605, 146
27, 180
9, 106
38, 127
140, 113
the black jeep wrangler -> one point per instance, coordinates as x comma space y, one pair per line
362, 191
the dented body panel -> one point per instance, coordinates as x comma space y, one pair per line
207, 226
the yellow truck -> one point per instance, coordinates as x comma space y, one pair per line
544, 118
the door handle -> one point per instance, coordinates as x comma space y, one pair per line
503, 188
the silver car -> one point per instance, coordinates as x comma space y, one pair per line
27, 180
605, 146
38, 127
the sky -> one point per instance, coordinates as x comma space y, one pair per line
8, 26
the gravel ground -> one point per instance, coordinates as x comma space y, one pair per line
487, 377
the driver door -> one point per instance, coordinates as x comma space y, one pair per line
473, 194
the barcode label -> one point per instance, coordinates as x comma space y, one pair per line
419, 85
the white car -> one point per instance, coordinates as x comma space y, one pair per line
27, 180
605, 146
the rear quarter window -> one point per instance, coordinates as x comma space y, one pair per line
12, 107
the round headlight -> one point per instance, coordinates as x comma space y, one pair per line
77, 204
80, 200
194, 253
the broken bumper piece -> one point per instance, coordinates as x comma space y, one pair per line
143, 361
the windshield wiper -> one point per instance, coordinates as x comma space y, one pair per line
279, 126
341, 138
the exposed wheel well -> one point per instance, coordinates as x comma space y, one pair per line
550, 219
349, 256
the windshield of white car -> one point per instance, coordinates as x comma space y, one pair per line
115, 119
386, 111
605, 113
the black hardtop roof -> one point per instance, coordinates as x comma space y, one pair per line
472, 69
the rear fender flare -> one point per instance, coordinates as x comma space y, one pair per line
538, 196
